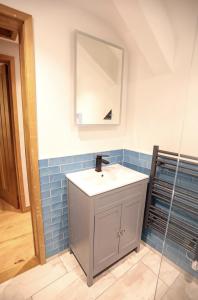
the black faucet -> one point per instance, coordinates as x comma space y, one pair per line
99, 161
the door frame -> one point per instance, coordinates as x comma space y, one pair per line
9, 61
23, 25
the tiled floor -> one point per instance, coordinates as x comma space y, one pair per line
132, 278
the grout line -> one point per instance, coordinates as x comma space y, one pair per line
48, 285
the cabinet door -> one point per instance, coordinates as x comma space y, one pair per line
131, 223
106, 238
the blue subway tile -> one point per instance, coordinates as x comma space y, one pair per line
58, 192
43, 163
45, 187
71, 167
131, 153
54, 161
64, 197
64, 183
43, 172
88, 164
56, 199
56, 220
46, 202
51, 252
46, 217
49, 243
46, 210
56, 177
130, 166
45, 194
55, 233
58, 238
44, 179
119, 159
143, 163
48, 236
54, 170
54, 227
49, 171
118, 152
79, 158
55, 185
58, 205
65, 210
146, 157
48, 220
67, 160
59, 243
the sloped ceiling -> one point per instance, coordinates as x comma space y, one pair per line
144, 25
150, 27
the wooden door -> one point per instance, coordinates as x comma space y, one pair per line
106, 238
8, 178
131, 221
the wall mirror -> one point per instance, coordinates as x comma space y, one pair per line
99, 72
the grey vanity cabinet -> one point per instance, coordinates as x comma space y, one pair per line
106, 237
105, 227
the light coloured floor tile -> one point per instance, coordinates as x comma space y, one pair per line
30, 282
136, 257
167, 272
73, 286
53, 290
182, 289
138, 283
161, 289
69, 261
128, 262
2, 288
121, 267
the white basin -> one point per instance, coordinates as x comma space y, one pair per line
111, 177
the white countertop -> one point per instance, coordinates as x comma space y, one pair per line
111, 177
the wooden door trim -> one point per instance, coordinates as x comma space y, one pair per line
27, 66
9, 60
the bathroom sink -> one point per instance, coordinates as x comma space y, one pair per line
111, 177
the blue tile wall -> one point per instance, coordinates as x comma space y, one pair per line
54, 194
142, 162
138, 161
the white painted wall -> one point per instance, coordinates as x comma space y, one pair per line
189, 140
157, 104
54, 25
11, 49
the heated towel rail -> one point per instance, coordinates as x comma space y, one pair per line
183, 222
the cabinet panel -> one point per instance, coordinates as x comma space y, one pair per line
106, 239
132, 191
130, 225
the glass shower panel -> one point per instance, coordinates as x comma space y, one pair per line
178, 273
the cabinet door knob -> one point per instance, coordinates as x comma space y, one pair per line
122, 231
